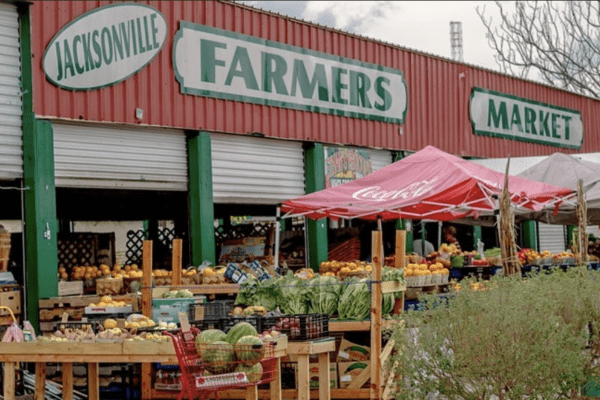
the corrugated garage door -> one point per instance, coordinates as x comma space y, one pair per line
11, 131
380, 159
552, 237
256, 170
120, 158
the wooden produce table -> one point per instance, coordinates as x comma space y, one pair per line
94, 353
304, 350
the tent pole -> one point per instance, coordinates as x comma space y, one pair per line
277, 236
379, 224
423, 238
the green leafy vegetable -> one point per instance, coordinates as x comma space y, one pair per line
324, 294
355, 301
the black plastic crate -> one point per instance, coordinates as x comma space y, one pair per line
212, 310
298, 328
204, 324
230, 322
288, 375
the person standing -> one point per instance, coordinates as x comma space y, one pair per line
450, 237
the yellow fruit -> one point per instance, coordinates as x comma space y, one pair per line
110, 323
106, 299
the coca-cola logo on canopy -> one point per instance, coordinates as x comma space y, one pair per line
375, 193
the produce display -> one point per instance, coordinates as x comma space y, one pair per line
113, 334
533, 257
349, 298
241, 349
107, 301
345, 269
426, 274
250, 310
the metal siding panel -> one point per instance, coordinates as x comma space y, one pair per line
108, 157
11, 105
437, 104
552, 237
256, 170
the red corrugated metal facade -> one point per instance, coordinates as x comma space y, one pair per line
438, 90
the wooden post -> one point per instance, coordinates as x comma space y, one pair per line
146, 378
376, 296
9, 380
177, 252
303, 377
40, 381
147, 279
275, 385
93, 381
67, 381
324, 377
401, 258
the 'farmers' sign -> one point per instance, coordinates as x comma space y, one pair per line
104, 46
217, 63
501, 115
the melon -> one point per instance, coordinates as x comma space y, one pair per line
240, 330
253, 373
249, 350
218, 357
208, 336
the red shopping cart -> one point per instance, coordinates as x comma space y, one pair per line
207, 369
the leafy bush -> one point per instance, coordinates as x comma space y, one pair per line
534, 338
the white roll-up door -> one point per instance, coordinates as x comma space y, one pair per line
256, 170
380, 159
552, 237
125, 158
11, 106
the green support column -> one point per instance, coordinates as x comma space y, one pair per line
570, 229
530, 239
476, 235
41, 223
315, 181
401, 224
202, 211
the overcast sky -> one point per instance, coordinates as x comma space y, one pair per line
419, 25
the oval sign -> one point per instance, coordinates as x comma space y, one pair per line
104, 46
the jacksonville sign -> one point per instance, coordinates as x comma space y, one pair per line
502, 115
227, 65
104, 46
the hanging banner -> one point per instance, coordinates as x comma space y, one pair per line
343, 165
510, 117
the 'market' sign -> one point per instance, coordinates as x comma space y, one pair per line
501, 115
104, 46
217, 63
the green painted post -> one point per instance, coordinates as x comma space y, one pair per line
476, 235
570, 230
315, 181
202, 212
530, 239
401, 224
41, 223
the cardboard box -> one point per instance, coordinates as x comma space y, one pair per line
313, 375
11, 300
353, 352
349, 371
74, 288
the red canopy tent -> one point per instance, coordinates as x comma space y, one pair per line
429, 184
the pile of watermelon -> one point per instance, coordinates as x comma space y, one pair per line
240, 350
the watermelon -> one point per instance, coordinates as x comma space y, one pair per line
249, 350
240, 330
253, 373
218, 357
208, 336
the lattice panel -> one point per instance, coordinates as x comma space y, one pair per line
77, 249
242, 231
135, 243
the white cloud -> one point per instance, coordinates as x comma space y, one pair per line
419, 25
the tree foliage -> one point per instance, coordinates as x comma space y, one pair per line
558, 40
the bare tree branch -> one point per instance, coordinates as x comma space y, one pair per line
557, 42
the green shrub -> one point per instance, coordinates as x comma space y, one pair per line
534, 338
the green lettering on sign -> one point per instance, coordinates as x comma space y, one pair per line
307, 87
245, 71
498, 116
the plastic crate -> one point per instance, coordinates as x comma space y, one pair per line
204, 324
298, 328
212, 310
230, 322
456, 273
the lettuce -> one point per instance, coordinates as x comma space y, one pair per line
325, 292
